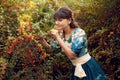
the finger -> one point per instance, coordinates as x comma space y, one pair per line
53, 31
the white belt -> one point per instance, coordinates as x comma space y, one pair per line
79, 72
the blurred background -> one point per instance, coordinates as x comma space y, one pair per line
23, 22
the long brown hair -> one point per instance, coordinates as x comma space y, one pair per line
66, 13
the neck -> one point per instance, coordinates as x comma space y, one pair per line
67, 30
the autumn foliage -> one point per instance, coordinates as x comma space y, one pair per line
22, 57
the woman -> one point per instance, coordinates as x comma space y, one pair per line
73, 42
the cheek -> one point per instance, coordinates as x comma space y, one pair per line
66, 23
63, 24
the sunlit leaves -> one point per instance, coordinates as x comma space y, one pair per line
18, 42
3, 66
22, 21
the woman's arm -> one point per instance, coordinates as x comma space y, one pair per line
45, 44
70, 54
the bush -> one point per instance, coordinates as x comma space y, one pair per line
22, 57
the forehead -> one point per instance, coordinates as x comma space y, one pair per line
60, 19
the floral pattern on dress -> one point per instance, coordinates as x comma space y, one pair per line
77, 42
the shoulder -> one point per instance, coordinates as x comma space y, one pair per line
79, 32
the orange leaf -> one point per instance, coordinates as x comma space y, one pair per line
20, 30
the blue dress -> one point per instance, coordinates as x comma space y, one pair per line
78, 43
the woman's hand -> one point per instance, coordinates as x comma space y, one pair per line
44, 42
54, 33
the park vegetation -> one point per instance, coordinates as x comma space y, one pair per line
23, 22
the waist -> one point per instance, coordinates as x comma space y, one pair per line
81, 60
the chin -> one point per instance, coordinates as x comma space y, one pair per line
59, 28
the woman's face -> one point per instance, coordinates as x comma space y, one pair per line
62, 23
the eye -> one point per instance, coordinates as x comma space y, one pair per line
59, 19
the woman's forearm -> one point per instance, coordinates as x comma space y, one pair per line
66, 49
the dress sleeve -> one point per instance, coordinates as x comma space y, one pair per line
79, 43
